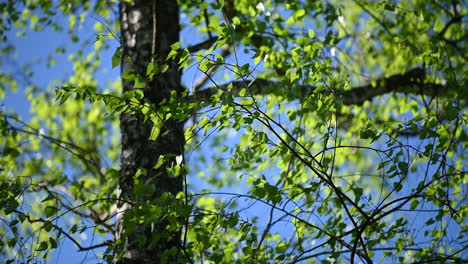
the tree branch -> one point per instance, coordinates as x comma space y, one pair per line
454, 20
69, 236
98, 219
225, 51
203, 45
411, 82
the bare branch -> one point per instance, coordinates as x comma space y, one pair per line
225, 51
74, 149
202, 45
97, 218
411, 82
69, 236
108, 29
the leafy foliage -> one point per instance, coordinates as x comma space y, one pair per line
317, 132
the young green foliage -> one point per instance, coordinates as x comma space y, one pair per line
315, 132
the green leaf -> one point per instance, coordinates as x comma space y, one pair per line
157, 125
172, 54
300, 13
129, 75
12, 242
242, 92
140, 172
175, 46
73, 229
243, 141
414, 204
160, 162
430, 221
398, 186
205, 65
244, 69
151, 69
50, 210
64, 97
218, 4
155, 132
22, 217
403, 166
400, 246
117, 57
47, 226
358, 192
12, 152
53, 242
49, 197
42, 246
140, 82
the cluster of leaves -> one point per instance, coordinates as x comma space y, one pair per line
282, 172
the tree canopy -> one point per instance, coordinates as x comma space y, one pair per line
234, 131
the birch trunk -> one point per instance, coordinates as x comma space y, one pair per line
148, 29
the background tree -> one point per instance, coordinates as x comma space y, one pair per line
316, 132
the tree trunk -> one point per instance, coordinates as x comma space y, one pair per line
148, 29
